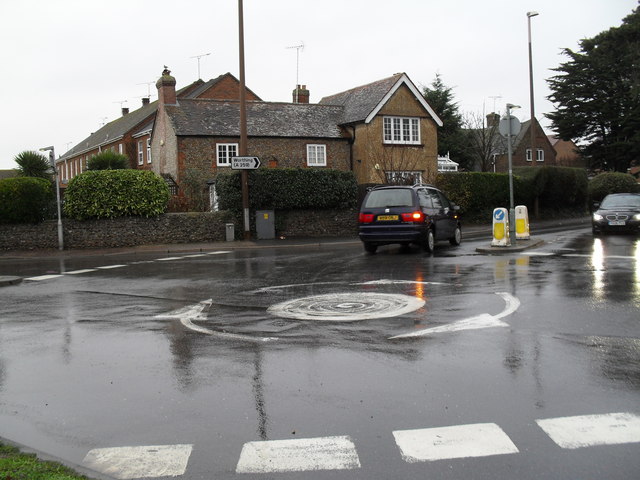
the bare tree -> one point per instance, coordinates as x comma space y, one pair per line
401, 164
484, 140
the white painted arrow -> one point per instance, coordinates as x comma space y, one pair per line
484, 320
187, 315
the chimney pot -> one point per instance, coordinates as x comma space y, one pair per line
166, 86
301, 94
145, 101
125, 110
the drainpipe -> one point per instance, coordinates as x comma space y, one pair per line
351, 142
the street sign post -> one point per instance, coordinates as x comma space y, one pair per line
245, 163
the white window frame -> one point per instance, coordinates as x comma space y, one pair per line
403, 176
401, 130
148, 150
539, 155
316, 155
140, 153
121, 149
224, 152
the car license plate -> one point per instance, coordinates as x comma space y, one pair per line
387, 218
617, 223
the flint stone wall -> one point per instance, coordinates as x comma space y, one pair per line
171, 228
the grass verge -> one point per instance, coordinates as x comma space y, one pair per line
15, 465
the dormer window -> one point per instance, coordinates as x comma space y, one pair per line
401, 130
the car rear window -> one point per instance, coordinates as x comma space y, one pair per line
399, 197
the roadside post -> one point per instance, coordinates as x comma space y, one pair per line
522, 223
500, 228
509, 127
52, 161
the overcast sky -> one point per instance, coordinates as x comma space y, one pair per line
67, 64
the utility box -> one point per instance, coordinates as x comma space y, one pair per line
265, 225
230, 232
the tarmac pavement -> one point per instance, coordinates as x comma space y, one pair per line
471, 232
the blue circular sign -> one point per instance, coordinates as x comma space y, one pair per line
499, 215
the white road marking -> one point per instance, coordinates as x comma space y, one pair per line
591, 430
483, 320
219, 253
282, 287
538, 254
187, 315
196, 255
346, 307
512, 304
43, 277
398, 282
140, 462
109, 267
305, 454
164, 259
77, 272
460, 441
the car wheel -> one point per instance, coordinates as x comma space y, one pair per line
429, 242
370, 248
457, 237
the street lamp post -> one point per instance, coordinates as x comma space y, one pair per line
52, 161
533, 115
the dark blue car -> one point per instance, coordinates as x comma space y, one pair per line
418, 214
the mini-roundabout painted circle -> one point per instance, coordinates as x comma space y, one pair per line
346, 307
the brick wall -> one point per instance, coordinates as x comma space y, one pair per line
171, 228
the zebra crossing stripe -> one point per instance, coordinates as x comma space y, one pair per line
460, 441
140, 462
591, 430
305, 454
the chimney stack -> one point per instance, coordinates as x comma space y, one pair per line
125, 110
301, 94
145, 101
493, 119
166, 86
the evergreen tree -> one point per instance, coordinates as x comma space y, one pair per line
597, 94
451, 137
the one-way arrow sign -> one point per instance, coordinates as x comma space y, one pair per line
245, 163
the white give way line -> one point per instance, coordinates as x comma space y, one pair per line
484, 320
340, 452
41, 278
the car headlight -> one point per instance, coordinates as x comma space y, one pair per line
597, 217
637, 217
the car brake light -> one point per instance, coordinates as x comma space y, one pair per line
366, 218
416, 216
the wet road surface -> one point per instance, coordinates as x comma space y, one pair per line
329, 363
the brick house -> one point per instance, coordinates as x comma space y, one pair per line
384, 131
521, 149
130, 134
567, 153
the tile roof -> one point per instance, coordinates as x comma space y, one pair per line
205, 117
124, 124
359, 102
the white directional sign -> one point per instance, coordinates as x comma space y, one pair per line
245, 163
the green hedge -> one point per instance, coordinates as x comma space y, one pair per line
288, 189
479, 193
116, 193
611, 182
559, 190
108, 160
25, 199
